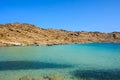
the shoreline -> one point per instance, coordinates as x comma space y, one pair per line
12, 45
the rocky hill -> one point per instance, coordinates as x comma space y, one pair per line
27, 34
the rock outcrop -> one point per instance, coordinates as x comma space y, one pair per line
26, 34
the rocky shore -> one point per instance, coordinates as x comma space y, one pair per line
16, 34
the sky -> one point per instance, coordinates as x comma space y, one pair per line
72, 15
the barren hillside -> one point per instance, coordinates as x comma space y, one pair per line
27, 34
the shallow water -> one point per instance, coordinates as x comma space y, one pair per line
98, 61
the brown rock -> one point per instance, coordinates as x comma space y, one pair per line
27, 34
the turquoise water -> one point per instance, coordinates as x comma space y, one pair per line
98, 61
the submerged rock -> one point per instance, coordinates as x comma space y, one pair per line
53, 78
24, 78
50, 77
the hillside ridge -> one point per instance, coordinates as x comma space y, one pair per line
16, 34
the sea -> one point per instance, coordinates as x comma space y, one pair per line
89, 61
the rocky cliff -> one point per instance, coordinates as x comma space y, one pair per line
27, 34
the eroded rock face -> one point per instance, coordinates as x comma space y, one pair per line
26, 34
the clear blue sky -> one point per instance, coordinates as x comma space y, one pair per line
74, 15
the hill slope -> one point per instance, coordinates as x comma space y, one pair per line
27, 34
